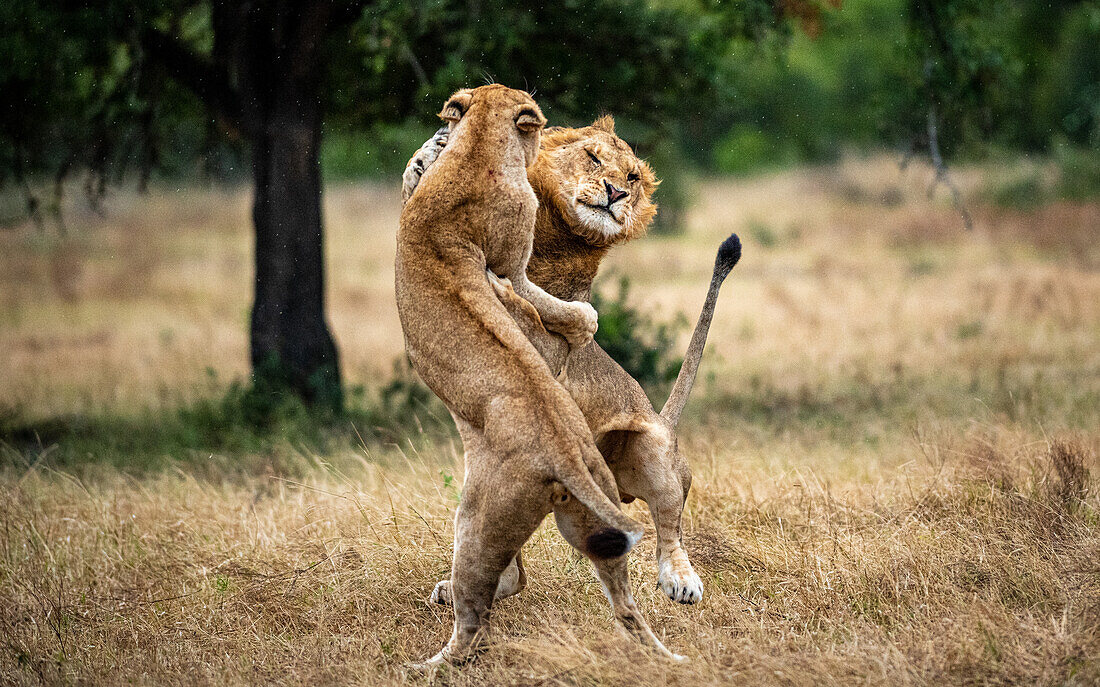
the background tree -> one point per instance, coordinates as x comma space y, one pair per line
1018, 76
107, 89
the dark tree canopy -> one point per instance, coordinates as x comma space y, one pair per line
118, 86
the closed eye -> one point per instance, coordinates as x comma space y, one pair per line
592, 156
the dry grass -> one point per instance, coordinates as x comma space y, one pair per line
895, 458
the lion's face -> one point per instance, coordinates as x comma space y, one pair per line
596, 181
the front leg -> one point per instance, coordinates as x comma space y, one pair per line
421, 161
575, 320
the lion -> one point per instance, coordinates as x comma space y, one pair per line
463, 244
595, 193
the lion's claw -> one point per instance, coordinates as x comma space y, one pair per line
682, 584
421, 161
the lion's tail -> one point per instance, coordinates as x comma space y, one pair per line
620, 533
728, 255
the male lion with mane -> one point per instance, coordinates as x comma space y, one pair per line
595, 193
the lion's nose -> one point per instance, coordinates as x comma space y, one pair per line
613, 194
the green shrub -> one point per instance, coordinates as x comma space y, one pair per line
1022, 191
1079, 174
405, 403
642, 346
744, 151
378, 153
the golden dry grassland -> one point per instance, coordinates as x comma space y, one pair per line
894, 444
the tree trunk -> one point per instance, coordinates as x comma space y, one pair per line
261, 80
291, 347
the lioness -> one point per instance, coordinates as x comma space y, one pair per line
594, 193
528, 448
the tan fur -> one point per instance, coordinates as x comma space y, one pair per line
465, 238
639, 444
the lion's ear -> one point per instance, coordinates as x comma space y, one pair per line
529, 119
455, 107
605, 123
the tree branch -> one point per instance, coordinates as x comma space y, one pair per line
932, 143
942, 175
209, 82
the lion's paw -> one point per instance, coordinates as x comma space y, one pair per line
441, 594
421, 161
680, 582
582, 327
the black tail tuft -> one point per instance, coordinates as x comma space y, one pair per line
607, 543
728, 255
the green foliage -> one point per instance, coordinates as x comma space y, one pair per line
745, 151
673, 195
79, 99
450, 487
724, 85
804, 98
244, 428
1018, 75
1020, 191
1024, 75
381, 151
1079, 174
405, 402
125, 85
1069, 92
643, 347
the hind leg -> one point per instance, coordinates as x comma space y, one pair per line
577, 524
616, 586
500, 509
512, 581
675, 575
514, 578
650, 467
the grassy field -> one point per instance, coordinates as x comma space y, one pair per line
894, 444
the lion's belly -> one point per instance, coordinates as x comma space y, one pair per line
451, 318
